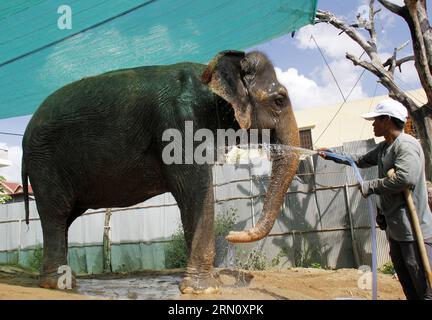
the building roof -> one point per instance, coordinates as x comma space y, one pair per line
13, 188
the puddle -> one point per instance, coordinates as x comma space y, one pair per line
152, 287
135, 288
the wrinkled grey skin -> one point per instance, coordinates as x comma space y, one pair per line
97, 143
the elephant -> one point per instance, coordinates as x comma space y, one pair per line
93, 134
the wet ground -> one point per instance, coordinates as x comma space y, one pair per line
141, 288
152, 286
288, 284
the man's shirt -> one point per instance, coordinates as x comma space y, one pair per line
406, 157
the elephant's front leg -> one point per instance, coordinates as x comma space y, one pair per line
197, 212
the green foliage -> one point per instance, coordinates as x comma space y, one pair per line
225, 221
256, 260
35, 260
3, 197
176, 252
277, 259
315, 265
387, 268
307, 256
304, 259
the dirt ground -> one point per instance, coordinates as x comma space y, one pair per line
304, 284
291, 284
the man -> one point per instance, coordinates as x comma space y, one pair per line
404, 154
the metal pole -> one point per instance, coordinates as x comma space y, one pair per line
19, 239
252, 199
107, 242
215, 186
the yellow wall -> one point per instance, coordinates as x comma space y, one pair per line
348, 124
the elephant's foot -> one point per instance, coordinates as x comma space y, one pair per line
199, 284
54, 280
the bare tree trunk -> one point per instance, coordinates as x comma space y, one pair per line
415, 15
422, 119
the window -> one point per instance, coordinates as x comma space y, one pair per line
306, 139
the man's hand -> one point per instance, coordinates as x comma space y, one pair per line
362, 190
381, 221
321, 152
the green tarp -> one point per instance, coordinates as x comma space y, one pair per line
37, 57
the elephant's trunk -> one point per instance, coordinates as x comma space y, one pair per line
284, 168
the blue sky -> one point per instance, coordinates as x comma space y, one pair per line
299, 66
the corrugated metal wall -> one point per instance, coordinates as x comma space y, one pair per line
324, 220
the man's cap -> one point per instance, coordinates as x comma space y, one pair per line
390, 108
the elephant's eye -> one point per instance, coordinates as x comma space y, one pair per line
280, 101
249, 78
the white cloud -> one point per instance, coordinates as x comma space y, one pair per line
398, 2
323, 90
334, 46
13, 172
363, 13
307, 93
408, 79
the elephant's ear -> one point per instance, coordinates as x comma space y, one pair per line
224, 77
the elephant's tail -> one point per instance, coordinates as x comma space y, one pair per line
24, 177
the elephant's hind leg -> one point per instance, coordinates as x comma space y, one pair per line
55, 219
54, 250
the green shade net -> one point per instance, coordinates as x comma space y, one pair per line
36, 57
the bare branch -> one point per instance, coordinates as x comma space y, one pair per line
377, 11
399, 62
392, 7
328, 17
371, 27
426, 30
367, 65
392, 62
403, 45
416, 11
386, 79
375, 65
